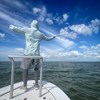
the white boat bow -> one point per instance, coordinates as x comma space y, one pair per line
49, 92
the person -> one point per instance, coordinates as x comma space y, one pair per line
33, 37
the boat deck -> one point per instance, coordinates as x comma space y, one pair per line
49, 92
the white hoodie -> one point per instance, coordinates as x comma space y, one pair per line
33, 37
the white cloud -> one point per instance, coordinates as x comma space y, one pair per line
65, 17
73, 54
5, 51
49, 52
64, 55
57, 19
16, 4
13, 18
64, 32
41, 18
7, 17
83, 47
61, 19
2, 35
96, 47
88, 53
41, 12
5, 7
36, 10
98, 56
74, 30
93, 27
66, 43
91, 52
10, 19
59, 54
19, 50
81, 29
9, 51
49, 21
43, 15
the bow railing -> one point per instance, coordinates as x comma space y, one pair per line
12, 58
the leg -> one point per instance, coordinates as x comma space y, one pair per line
37, 76
26, 63
25, 77
37, 71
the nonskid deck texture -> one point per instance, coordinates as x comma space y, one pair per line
49, 92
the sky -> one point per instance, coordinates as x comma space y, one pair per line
75, 22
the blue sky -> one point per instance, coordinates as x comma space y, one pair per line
78, 21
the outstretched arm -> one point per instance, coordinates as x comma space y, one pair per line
17, 29
47, 38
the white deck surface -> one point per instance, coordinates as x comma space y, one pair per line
49, 92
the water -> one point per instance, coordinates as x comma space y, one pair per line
79, 80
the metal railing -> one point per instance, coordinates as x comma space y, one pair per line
11, 57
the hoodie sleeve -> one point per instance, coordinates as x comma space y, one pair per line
47, 38
18, 29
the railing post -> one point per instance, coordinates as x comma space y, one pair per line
12, 72
12, 78
40, 91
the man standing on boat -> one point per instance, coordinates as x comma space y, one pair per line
33, 37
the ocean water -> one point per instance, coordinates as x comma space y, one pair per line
79, 80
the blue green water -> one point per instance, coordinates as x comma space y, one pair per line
79, 80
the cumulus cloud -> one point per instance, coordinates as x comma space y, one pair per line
73, 54
64, 32
2, 35
88, 53
74, 30
54, 53
49, 21
43, 15
81, 29
65, 17
93, 27
36, 10
57, 18
59, 54
91, 52
96, 47
61, 19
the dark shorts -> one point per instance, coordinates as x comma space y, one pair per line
30, 63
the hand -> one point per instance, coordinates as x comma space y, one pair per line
54, 37
11, 26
